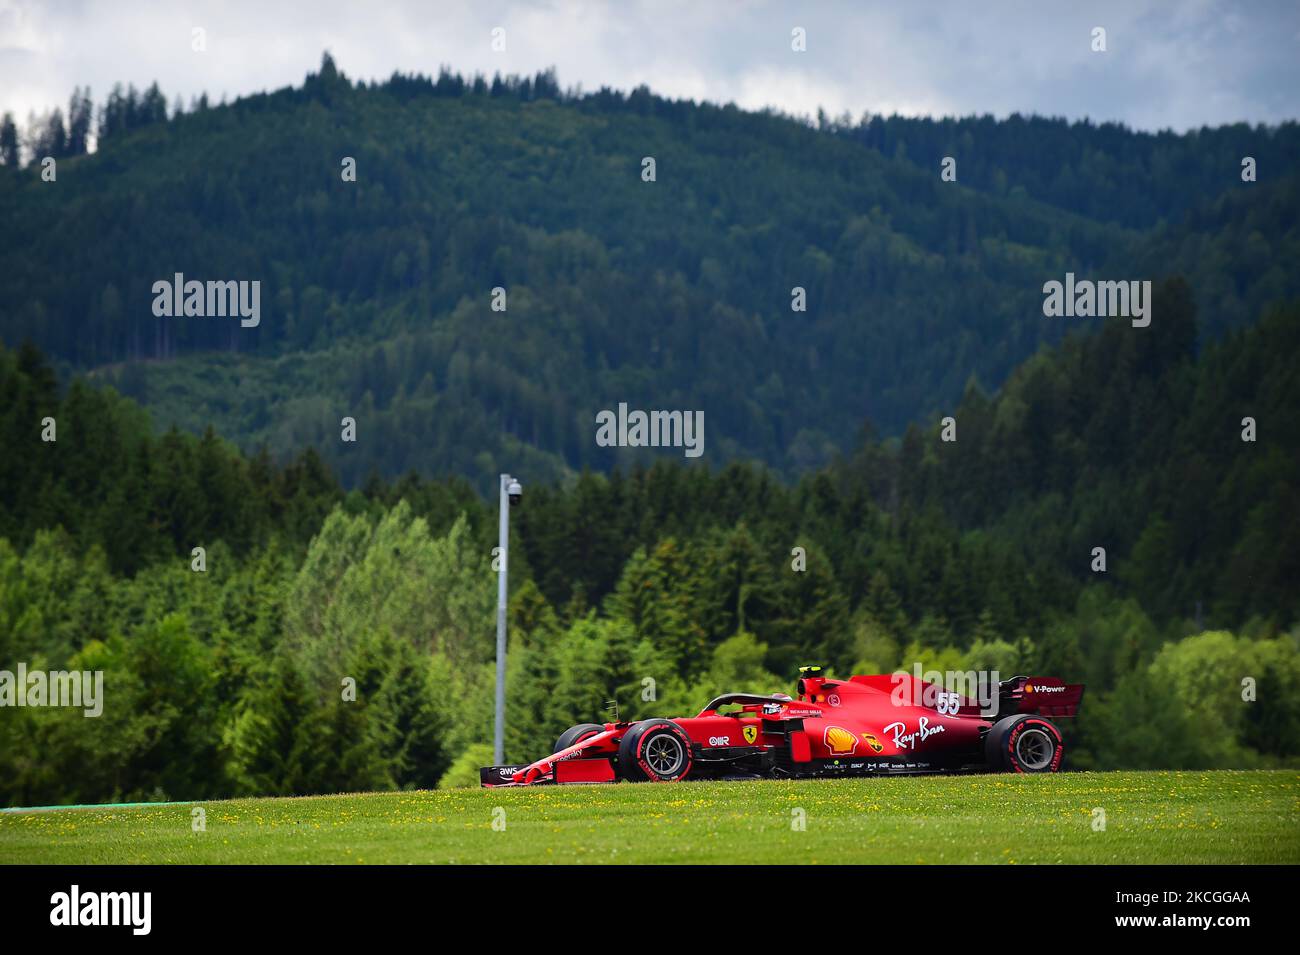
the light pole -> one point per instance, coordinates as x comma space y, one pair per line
510, 493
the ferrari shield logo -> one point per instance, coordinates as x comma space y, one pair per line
751, 733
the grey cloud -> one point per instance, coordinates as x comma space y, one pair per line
1175, 65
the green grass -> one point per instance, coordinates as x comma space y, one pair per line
1157, 817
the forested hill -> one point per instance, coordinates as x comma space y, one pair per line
1103, 171
978, 553
674, 294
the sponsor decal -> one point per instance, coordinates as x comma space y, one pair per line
719, 740
840, 741
751, 733
905, 740
833, 699
1031, 688
875, 744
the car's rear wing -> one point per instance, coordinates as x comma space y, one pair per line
1043, 695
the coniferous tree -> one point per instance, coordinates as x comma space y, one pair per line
8, 142
80, 119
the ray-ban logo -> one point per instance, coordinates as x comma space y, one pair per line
651, 429
134, 909
211, 299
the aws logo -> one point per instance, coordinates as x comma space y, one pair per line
840, 741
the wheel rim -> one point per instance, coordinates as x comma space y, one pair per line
1035, 749
665, 755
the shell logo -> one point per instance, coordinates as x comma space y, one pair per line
840, 741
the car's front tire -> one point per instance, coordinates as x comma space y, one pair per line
576, 734
1024, 744
657, 751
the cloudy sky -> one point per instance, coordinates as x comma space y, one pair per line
1168, 64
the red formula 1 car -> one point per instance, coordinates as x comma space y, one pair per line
862, 726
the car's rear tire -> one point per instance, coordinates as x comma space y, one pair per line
1024, 744
576, 734
657, 751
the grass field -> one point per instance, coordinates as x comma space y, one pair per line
1165, 817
